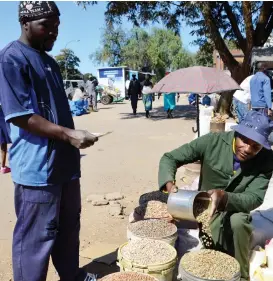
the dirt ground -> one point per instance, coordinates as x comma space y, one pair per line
125, 161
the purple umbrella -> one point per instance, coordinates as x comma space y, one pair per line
197, 80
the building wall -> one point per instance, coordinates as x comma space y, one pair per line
218, 63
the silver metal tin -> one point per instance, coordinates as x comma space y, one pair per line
180, 203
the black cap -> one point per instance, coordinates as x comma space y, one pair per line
34, 10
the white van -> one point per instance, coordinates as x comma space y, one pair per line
71, 85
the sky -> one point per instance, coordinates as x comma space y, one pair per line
76, 24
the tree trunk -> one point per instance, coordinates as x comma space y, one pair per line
238, 73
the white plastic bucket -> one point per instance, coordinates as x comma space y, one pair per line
204, 122
206, 111
134, 276
162, 271
205, 116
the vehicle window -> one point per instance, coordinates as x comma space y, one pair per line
75, 84
67, 84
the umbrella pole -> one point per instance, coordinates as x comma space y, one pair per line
197, 118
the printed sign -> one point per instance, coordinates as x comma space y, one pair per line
113, 77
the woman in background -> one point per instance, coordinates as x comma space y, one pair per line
169, 103
147, 96
4, 140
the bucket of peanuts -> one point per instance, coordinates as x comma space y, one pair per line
206, 264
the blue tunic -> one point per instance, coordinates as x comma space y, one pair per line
31, 83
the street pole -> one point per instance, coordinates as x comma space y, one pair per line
66, 56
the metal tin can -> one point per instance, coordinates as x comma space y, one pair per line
181, 203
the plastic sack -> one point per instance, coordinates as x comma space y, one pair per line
257, 260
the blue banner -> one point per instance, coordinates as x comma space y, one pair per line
110, 72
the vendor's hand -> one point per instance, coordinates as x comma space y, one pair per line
171, 187
80, 138
219, 200
270, 112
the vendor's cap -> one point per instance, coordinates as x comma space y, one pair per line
34, 10
255, 126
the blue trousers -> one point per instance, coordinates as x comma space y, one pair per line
48, 224
240, 109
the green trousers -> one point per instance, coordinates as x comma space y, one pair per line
231, 233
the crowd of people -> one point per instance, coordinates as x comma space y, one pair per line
45, 157
136, 90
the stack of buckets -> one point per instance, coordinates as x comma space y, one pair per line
162, 271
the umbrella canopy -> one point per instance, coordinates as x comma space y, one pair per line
196, 79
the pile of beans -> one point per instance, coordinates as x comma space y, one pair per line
210, 264
147, 251
152, 228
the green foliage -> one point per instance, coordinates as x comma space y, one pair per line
160, 50
68, 63
166, 51
87, 75
135, 51
204, 56
246, 23
112, 40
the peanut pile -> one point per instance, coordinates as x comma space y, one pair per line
147, 251
153, 210
201, 214
210, 264
152, 228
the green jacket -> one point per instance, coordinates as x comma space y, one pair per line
246, 189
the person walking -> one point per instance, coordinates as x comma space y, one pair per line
260, 91
134, 92
44, 156
91, 85
147, 96
4, 141
241, 99
169, 103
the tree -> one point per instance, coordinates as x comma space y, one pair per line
87, 75
204, 55
166, 51
68, 63
161, 50
247, 23
135, 51
113, 40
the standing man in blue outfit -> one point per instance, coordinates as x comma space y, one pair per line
44, 156
260, 91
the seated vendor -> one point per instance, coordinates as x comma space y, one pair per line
235, 169
80, 94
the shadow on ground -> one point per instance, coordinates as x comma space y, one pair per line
102, 269
105, 107
187, 112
